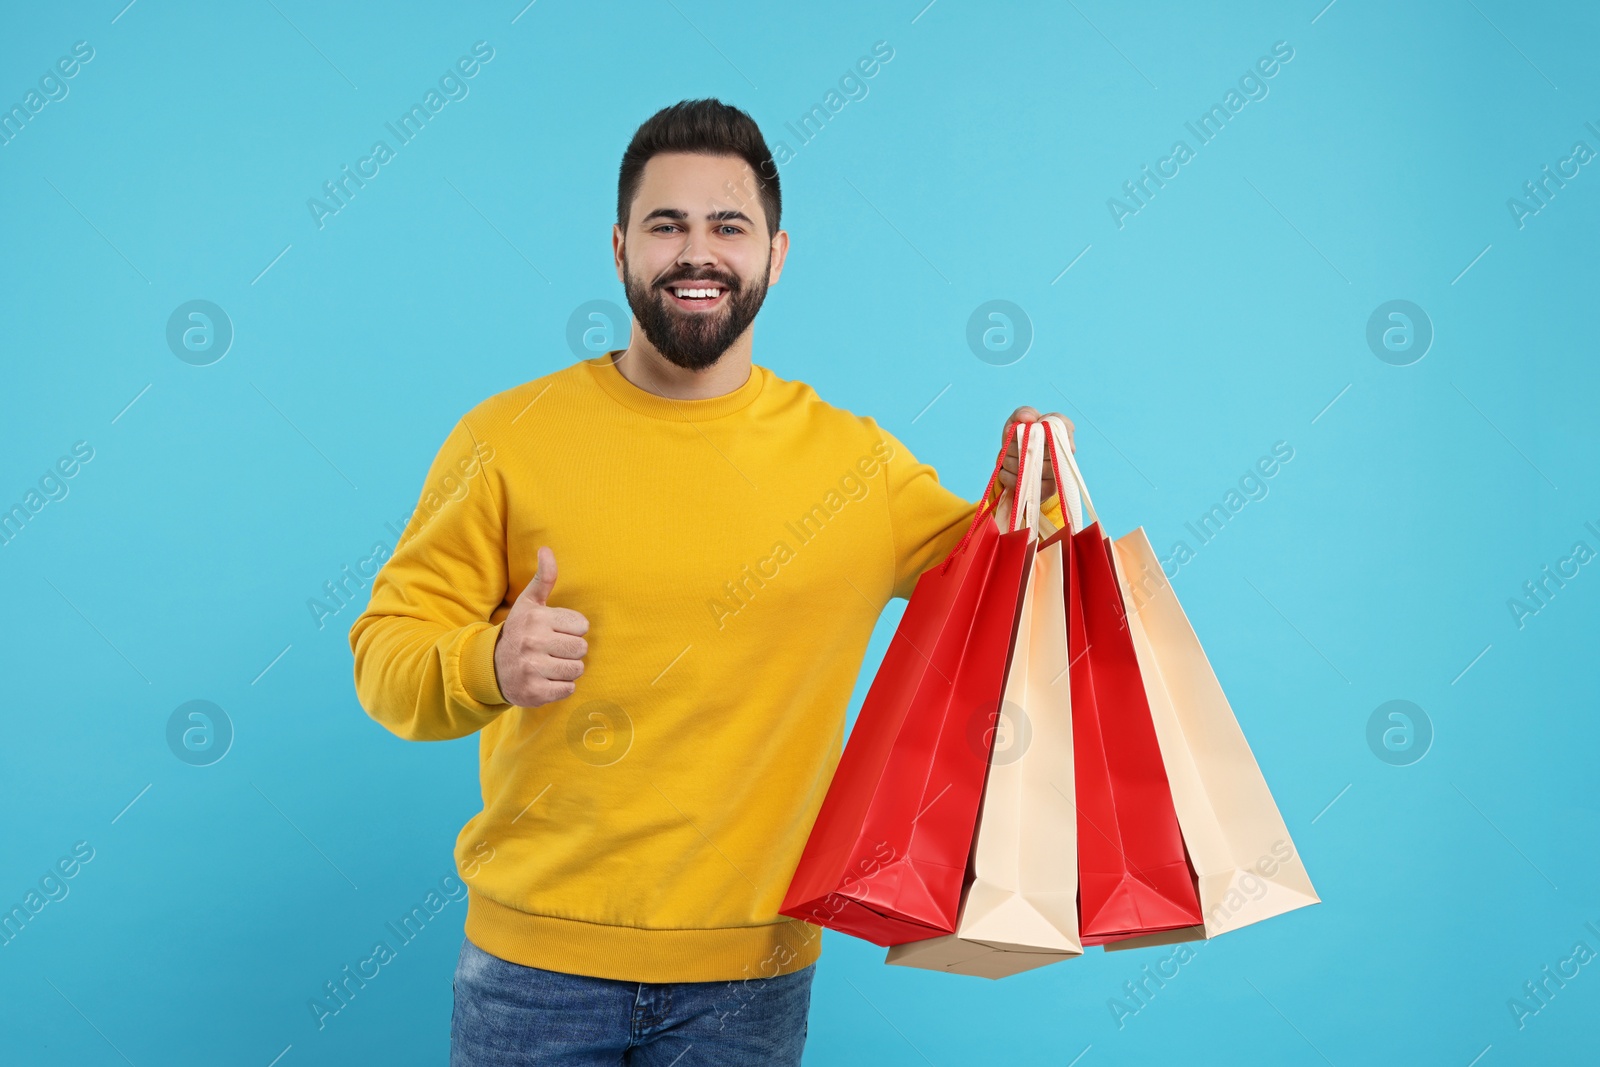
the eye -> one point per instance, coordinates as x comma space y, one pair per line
664, 226
731, 226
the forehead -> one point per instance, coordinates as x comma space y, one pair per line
697, 184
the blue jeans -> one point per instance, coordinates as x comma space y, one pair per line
507, 1014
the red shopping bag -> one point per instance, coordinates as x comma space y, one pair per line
887, 855
1134, 874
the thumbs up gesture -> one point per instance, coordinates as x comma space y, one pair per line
540, 651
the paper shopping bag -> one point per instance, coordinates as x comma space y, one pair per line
1020, 906
887, 856
1246, 861
1133, 868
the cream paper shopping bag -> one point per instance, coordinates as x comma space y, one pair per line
1020, 907
1247, 864
1244, 859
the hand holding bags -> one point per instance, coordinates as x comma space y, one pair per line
1156, 810
1020, 906
887, 855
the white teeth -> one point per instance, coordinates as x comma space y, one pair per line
689, 293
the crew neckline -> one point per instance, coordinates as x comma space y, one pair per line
605, 373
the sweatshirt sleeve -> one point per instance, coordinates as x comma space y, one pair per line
927, 519
424, 646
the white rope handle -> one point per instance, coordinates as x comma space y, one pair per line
1074, 507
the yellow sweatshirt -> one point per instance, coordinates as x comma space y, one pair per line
732, 556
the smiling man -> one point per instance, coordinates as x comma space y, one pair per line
657, 728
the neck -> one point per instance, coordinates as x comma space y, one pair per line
647, 368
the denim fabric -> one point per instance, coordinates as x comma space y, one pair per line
507, 1014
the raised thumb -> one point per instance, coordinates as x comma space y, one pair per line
544, 579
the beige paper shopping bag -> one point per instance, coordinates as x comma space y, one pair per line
1020, 906
1246, 862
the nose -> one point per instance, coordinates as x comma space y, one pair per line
696, 250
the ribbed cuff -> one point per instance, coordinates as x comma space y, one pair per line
1051, 509
477, 666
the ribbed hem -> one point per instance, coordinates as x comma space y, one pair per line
605, 373
477, 666
631, 954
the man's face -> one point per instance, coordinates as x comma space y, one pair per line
696, 226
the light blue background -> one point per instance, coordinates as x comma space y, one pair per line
1227, 315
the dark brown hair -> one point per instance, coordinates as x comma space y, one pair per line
708, 127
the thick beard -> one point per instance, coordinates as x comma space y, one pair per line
694, 342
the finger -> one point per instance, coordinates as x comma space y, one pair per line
1023, 414
1071, 446
564, 646
1012, 449
1009, 439
544, 579
548, 692
560, 670
1008, 473
1009, 462
568, 621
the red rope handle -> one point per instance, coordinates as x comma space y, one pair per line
985, 508
1022, 461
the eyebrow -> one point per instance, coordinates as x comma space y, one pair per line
679, 215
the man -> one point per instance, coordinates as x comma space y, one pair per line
660, 718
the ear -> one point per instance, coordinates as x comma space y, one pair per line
780, 252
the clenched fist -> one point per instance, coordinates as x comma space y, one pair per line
1008, 468
539, 653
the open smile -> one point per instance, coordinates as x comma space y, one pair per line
697, 296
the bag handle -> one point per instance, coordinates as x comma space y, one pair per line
1067, 493
1076, 509
1027, 502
